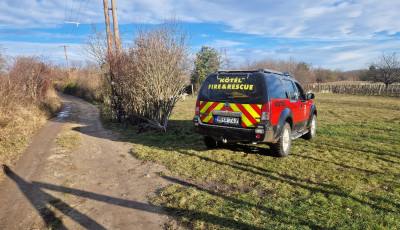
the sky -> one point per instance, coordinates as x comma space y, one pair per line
342, 35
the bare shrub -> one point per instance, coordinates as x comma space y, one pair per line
148, 77
26, 100
151, 76
32, 76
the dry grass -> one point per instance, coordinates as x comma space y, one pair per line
69, 140
87, 83
20, 118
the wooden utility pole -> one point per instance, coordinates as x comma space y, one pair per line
108, 29
66, 57
115, 26
115, 97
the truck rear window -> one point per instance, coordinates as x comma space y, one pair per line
238, 88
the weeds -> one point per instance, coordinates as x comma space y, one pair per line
70, 141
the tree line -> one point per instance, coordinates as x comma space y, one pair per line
385, 69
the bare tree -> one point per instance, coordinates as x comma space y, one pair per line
95, 46
303, 73
385, 69
159, 64
322, 75
226, 63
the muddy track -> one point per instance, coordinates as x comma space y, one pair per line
91, 181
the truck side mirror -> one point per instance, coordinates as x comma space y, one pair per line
310, 96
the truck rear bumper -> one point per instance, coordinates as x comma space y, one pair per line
262, 133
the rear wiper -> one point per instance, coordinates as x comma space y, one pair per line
229, 95
239, 95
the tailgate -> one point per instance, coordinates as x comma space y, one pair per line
230, 114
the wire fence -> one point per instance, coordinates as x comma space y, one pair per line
357, 89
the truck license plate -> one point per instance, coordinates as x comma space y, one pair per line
227, 120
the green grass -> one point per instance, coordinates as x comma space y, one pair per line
69, 140
348, 177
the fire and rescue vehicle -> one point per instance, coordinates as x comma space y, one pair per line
254, 106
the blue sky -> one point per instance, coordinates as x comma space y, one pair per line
332, 34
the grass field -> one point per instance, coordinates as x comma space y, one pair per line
348, 177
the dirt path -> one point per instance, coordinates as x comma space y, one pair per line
91, 183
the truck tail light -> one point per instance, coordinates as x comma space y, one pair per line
197, 110
265, 112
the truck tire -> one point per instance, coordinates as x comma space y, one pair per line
312, 129
282, 147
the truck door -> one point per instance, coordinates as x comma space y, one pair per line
294, 103
305, 107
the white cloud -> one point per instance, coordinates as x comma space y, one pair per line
225, 43
313, 12
270, 18
308, 18
341, 34
340, 55
50, 52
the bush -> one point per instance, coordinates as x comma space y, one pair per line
158, 67
27, 98
32, 76
69, 88
146, 80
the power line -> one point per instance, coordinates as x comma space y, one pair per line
84, 11
65, 17
70, 30
81, 18
76, 18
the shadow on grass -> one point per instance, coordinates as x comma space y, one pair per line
301, 183
233, 223
338, 164
249, 149
328, 189
351, 149
387, 160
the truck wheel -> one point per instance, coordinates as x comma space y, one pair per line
282, 147
312, 129
211, 143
